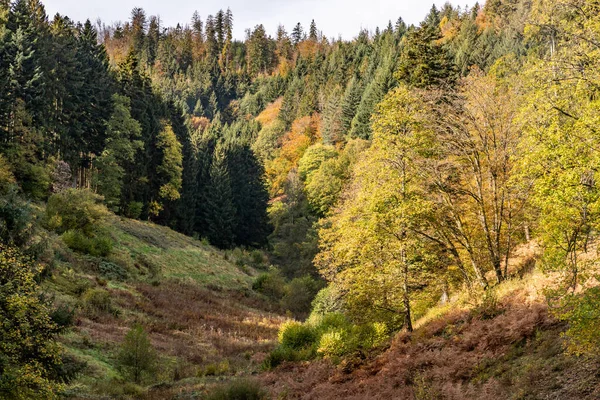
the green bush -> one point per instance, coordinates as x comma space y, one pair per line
134, 209
63, 316
297, 336
299, 294
582, 313
331, 335
271, 284
281, 354
97, 302
221, 368
98, 245
30, 356
238, 390
112, 271
330, 322
17, 219
75, 210
368, 336
333, 343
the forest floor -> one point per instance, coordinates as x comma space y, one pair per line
194, 301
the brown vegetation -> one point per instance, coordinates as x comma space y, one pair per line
518, 353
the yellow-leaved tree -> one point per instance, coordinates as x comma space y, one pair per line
370, 246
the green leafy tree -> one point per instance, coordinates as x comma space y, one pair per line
30, 356
169, 171
137, 358
371, 247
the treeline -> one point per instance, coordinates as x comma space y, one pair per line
68, 118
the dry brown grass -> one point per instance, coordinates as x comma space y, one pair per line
190, 322
459, 354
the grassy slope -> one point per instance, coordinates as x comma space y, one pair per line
196, 304
511, 348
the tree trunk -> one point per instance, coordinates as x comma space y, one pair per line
406, 300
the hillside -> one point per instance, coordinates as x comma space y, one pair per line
193, 300
507, 347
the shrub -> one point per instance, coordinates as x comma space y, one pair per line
368, 336
239, 390
279, 355
112, 271
271, 284
33, 178
137, 358
6, 176
297, 336
221, 368
73, 209
63, 316
330, 322
97, 301
299, 294
583, 315
98, 245
333, 343
17, 219
134, 209
257, 258
30, 357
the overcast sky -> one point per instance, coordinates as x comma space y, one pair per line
333, 17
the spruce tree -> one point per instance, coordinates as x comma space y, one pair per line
313, 33
220, 213
297, 34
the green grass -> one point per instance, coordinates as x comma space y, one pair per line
172, 255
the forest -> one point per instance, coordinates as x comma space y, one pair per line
329, 200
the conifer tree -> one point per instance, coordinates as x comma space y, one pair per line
297, 34
219, 208
313, 33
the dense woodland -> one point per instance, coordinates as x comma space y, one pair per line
386, 173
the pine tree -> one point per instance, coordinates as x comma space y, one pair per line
122, 145
212, 45
297, 34
350, 103
219, 208
249, 195
424, 62
313, 33
138, 30
152, 40
259, 52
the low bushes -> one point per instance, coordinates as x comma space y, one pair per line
97, 302
295, 296
98, 245
238, 390
329, 336
78, 215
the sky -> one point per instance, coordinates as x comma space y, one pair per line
334, 18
